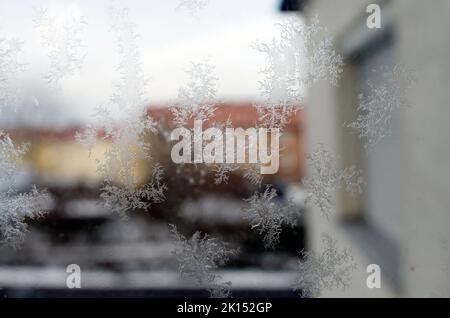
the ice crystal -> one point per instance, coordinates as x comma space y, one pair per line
324, 178
10, 156
10, 68
295, 59
266, 214
199, 257
128, 141
252, 173
192, 6
332, 268
121, 199
128, 146
275, 116
62, 36
377, 106
87, 138
197, 98
15, 207
222, 172
130, 90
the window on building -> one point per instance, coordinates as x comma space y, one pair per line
377, 209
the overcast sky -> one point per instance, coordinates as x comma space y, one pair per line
169, 40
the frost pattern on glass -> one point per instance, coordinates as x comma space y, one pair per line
199, 257
266, 214
197, 98
222, 171
331, 268
252, 173
10, 157
129, 142
10, 68
378, 105
121, 199
62, 36
16, 208
295, 59
192, 6
128, 146
324, 178
87, 138
130, 89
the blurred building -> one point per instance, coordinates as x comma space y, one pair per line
134, 256
402, 220
56, 157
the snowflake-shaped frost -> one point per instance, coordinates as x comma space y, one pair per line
10, 68
10, 157
267, 215
324, 179
332, 268
252, 173
378, 105
128, 141
297, 58
197, 98
198, 258
121, 199
222, 172
15, 207
62, 36
130, 90
128, 146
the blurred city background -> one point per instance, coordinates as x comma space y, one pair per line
400, 221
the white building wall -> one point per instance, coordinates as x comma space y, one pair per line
422, 43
